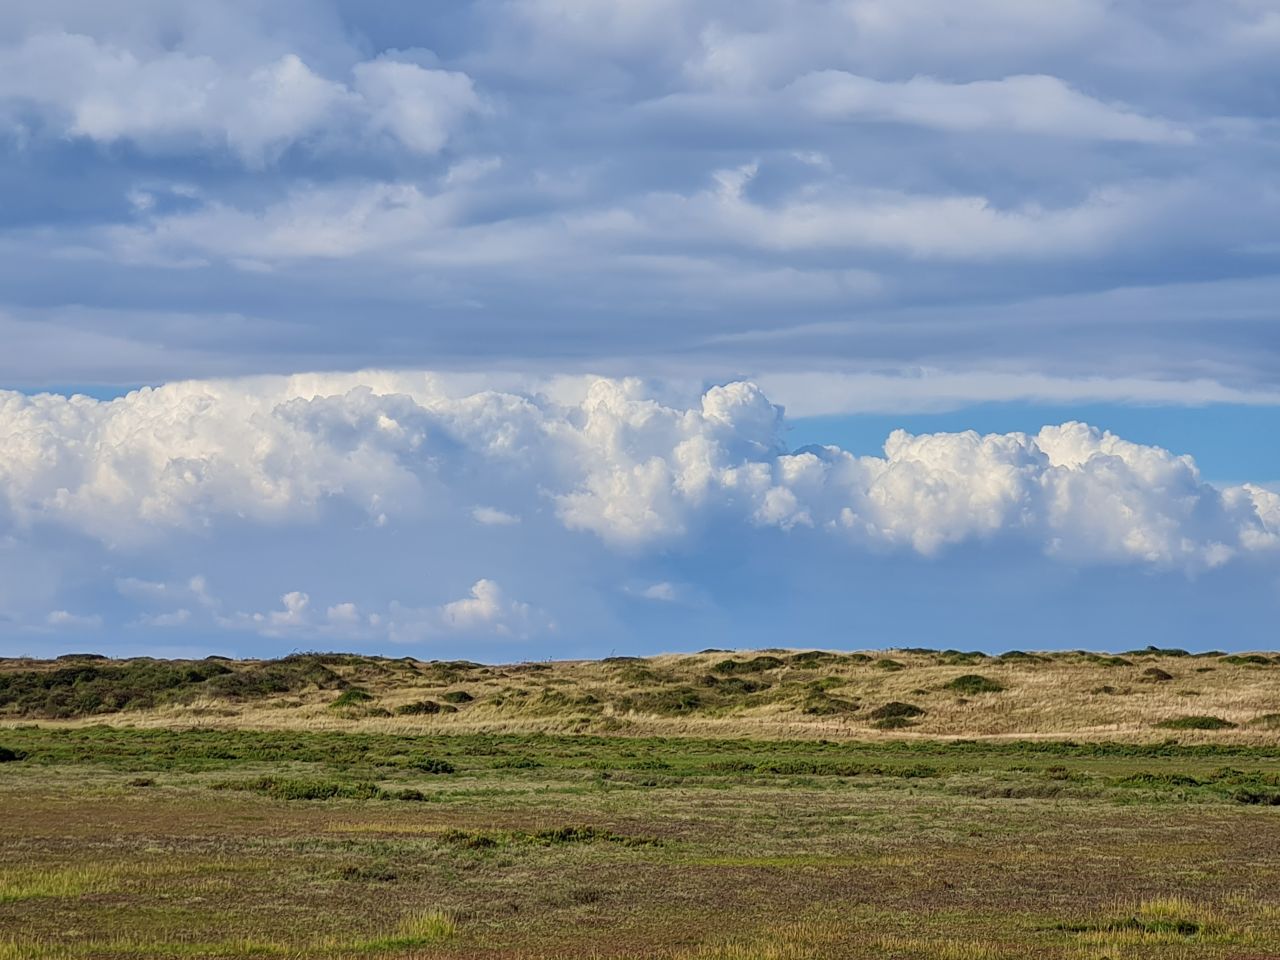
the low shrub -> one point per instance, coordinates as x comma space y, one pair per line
662, 702
821, 705
421, 708
812, 658
472, 839
351, 698
587, 834
1257, 797
1149, 779
431, 765
517, 763
824, 684
1196, 723
886, 663
1021, 656
972, 683
553, 836
375, 872
9, 755
280, 788
1150, 651
754, 665
1103, 660
734, 685
91, 687
458, 696
1155, 675
896, 709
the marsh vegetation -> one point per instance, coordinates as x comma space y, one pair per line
569, 822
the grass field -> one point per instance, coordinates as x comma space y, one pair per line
147, 816
1137, 696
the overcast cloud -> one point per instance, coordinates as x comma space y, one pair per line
724, 188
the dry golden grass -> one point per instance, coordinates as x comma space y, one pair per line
1059, 695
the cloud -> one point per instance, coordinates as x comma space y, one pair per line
298, 617
176, 618
487, 608
943, 227
63, 619
487, 611
174, 101
1035, 104
823, 393
607, 458
490, 517
418, 108
556, 185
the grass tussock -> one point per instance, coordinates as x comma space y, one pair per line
422, 928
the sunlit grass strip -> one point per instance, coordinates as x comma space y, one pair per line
420, 929
1168, 920
35, 883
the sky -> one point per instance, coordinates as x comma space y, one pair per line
515, 329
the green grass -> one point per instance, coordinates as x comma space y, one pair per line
419, 929
292, 844
45, 883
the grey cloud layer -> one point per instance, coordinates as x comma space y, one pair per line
860, 185
632, 465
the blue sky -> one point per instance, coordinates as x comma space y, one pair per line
516, 328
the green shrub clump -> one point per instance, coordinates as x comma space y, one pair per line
1196, 723
754, 665
974, 683
819, 704
896, 708
432, 765
280, 788
664, 702
351, 698
423, 708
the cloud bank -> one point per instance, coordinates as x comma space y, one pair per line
616, 462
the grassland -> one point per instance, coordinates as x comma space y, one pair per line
1137, 696
294, 809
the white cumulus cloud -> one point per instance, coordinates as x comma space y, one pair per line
608, 458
